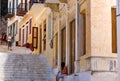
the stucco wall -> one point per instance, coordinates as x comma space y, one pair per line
101, 27
98, 35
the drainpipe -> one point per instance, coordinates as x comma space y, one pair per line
59, 43
76, 38
118, 37
67, 39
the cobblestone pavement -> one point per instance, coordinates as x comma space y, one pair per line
15, 50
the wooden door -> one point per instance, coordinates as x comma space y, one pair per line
35, 37
114, 30
40, 50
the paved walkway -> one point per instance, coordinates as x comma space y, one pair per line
15, 50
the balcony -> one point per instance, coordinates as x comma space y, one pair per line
22, 9
10, 13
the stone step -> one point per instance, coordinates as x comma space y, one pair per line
14, 67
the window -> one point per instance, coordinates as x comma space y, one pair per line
44, 37
40, 45
49, 27
30, 26
20, 34
16, 27
9, 10
13, 6
16, 3
114, 31
35, 37
84, 34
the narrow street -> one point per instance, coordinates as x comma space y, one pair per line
60, 40
20, 65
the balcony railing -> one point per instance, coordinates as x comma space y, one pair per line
10, 13
22, 9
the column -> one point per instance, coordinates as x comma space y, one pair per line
67, 39
76, 37
59, 42
118, 36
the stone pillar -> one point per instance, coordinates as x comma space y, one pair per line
118, 36
59, 42
67, 38
76, 37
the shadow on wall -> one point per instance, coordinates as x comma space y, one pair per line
24, 68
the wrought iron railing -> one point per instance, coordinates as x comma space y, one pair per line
22, 7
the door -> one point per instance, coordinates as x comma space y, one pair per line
35, 37
63, 47
40, 50
72, 46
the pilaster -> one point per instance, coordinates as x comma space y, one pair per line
67, 39
59, 43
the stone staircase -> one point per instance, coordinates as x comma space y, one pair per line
14, 67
